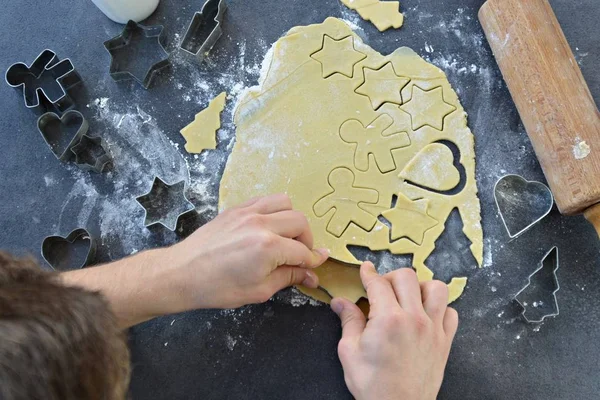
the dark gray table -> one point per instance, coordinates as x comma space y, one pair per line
286, 349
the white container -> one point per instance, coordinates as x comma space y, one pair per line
122, 11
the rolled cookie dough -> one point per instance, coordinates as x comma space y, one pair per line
299, 132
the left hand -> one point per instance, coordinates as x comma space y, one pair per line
246, 255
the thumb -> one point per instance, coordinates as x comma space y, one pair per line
352, 318
287, 276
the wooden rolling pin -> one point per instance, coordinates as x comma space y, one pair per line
554, 102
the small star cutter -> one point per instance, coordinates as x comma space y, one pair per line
123, 59
90, 153
165, 204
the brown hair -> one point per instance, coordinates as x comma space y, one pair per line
57, 342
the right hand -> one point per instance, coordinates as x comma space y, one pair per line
402, 350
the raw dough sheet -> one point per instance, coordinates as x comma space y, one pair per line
374, 149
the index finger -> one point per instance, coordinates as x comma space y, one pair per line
379, 290
272, 204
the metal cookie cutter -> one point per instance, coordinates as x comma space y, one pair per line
521, 203
68, 253
550, 260
62, 133
165, 204
46, 83
204, 29
137, 53
90, 154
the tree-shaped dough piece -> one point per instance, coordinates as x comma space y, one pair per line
200, 134
338, 56
427, 107
370, 140
345, 199
382, 85
409, 219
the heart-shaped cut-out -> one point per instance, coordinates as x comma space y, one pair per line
433, 168
62, 133
521, 203
69, 253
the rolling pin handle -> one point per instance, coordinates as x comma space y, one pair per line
592, 214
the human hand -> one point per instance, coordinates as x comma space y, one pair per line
402, 350
246, 255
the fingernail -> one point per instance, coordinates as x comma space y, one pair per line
337, 306
323, 252
311, 280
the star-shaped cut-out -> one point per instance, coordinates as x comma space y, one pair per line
90, 153
165, 204
409, 219
382, 85
427, 107
137, 53
338, 56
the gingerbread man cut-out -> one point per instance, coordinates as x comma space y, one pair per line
370, 140
345, 200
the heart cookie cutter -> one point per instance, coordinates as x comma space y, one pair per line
74, 251
521, 203
204, 29
550, 259
46, 83
61, 134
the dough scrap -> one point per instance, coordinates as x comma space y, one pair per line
337, 280
288, 141
200, 134
383, 14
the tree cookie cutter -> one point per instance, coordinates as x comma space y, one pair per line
46, 83
129, 52
165, 204
75, 251
67, 138
204, 29
521, 203
550, 259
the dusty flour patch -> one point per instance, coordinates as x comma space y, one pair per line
297, 299
140, 151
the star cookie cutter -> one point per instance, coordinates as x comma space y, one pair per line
90, 154
165, 204
75, 251
204, 30
46, 83
521, 203
550, 257
127, 63
61, 134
